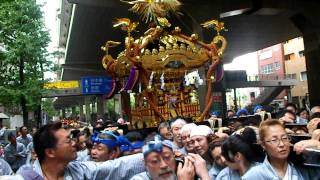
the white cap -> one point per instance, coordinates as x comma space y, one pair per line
188, 127
201, 130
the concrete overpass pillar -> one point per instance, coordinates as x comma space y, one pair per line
87, 105
94, 110
73, 111
312, 55
81, 110
224, 103
63, 113
100, 105
310, 29
81, 113
235, 101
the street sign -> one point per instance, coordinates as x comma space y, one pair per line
62, 85
96, 85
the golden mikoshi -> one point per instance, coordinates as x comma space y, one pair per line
159, 60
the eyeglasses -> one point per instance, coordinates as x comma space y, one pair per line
69, 140
276, 141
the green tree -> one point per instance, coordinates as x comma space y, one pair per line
23, 42
47, 106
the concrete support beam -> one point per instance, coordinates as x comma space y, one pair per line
312, 54
81, 110
73, 111
94, 107
87, 105
235, 102
100, 105
63, 113
224, 104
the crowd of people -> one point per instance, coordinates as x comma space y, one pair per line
179, 149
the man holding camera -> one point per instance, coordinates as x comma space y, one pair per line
161, 164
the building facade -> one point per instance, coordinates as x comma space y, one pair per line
271, 67
295, 63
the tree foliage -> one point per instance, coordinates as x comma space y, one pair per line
23, 43
47, 106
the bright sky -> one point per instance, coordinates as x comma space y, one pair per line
248, 62
50, 9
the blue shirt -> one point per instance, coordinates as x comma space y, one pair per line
266, 171
15, 155
25, 140
83, 155
214, 171
230, 174
141, 176
145, 176
119, 169
5, 168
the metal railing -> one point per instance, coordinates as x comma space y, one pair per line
271, 77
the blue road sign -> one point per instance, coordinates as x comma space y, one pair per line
96, 85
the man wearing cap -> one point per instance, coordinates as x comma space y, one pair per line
160, 164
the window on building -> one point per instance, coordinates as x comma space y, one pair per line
267, 69
303, 76
289, 57
277, 65
301, 53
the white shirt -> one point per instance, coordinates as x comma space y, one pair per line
287, 175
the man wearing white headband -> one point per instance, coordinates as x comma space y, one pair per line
185, 136
200, 137
176, 126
